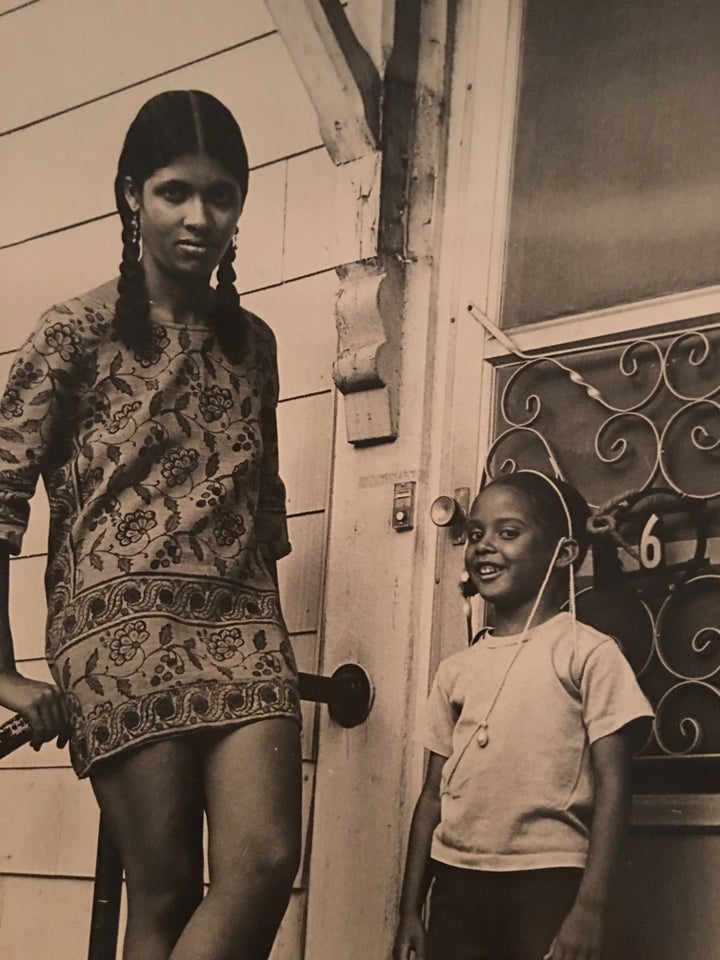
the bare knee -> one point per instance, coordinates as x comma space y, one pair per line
163, 904
278, 859
268, 864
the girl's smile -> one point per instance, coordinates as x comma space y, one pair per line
488, 571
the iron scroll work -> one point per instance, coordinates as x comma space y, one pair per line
636, 425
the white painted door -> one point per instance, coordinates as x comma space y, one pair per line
582, 286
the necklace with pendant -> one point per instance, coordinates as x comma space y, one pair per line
482, 736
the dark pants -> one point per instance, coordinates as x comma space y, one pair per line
498, 915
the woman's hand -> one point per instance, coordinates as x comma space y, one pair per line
410, 939
580, 936
40, 705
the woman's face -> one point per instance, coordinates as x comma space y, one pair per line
188, 214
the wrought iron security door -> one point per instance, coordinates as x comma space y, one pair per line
637, 422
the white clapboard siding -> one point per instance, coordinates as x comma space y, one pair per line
173, 32
49, 822
44, 918
36, 275
85, 144
304, 425
6, 6
328, 223
28, 609
261, 231
302, 315
301, 573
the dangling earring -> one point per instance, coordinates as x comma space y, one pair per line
233, 242
135, 232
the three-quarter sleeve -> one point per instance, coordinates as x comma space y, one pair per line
28, 409
271, 519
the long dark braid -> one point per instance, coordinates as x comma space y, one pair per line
132, 307
170, 125
228, 323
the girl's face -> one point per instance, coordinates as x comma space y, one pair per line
188, 214
508, 552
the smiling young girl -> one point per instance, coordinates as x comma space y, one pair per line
148, 406
527, 791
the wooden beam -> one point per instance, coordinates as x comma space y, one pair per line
337, 72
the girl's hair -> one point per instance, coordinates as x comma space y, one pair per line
170, 125
542, 493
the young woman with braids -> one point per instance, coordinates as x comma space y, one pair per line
148, 406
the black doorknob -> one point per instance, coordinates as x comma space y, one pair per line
348, 693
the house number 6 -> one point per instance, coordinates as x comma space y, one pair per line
651, 547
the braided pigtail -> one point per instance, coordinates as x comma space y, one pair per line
227, 296
229, 319
132, 307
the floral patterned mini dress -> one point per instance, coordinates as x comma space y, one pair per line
165, 506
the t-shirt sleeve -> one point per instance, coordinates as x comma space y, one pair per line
28, 411
611, 695
435, 730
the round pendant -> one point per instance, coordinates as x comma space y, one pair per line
482, 735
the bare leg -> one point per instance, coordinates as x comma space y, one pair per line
253, 788
152, 800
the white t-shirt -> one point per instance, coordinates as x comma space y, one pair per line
524, 800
